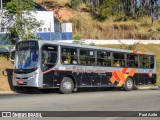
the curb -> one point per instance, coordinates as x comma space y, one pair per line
148, 88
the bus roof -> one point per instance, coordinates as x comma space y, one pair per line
92, 47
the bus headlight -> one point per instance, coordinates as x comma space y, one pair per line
32, 77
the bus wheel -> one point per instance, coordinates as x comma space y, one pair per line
67, 85
128, 86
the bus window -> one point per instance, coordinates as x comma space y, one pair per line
132, 60
49, 56
83, 57
118, 60
69, 55
87, 57
144, 61
91, 57
103, 58
151, 62
74, 56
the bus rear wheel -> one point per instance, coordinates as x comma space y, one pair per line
67, 85
128, 86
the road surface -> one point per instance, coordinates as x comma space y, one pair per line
110, 100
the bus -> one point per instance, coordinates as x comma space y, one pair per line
68, 66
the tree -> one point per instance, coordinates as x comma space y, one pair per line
122, 9
133, 7
19, 19
75, 4
111, 8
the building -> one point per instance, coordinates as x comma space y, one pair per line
51, 28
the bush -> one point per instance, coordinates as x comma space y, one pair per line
75, 4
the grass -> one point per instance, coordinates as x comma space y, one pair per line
90, 28
158, 84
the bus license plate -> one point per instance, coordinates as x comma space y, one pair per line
20, 82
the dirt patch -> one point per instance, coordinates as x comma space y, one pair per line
59, 7
4, 84
63, 14
4, 80
4, 64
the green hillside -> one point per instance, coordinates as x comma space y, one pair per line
110, 20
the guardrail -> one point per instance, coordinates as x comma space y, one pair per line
122, 41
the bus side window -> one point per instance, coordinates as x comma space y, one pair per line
144, 61
118, 60
83, 57
103, 58
64, 55
132, 60
87, 57
141, 61
91, 57
44, 57
74, 56
151, 62
68, 58
69, 55
117, 63
49, 57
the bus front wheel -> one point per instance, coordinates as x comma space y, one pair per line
67, 85
128, 86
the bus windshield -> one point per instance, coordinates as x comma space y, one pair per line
27, 58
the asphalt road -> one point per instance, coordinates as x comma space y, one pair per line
110, 100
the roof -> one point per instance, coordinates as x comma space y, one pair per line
91, 47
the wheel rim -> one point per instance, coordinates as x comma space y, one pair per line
67, 85
129, 84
